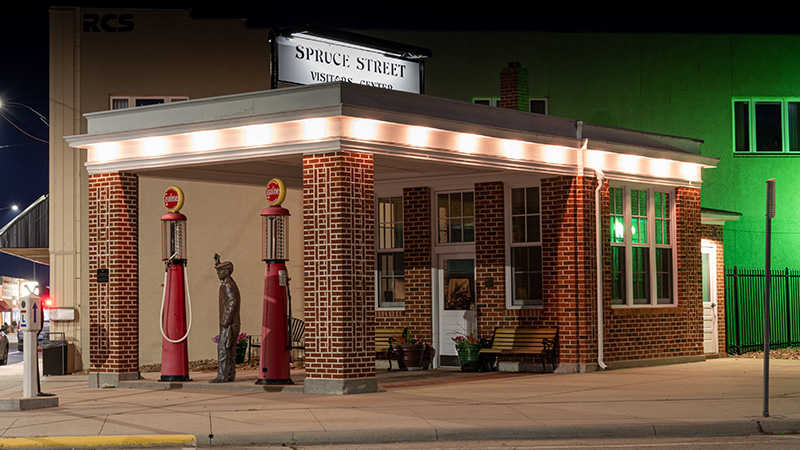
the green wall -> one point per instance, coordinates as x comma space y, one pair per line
663, 83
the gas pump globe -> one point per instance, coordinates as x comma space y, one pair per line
275, 341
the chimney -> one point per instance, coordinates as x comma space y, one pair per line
514, 87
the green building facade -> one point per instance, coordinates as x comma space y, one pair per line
730, 91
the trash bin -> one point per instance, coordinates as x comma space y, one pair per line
54, 355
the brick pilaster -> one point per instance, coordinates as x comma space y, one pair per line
490, 256
113, 306
568, 241
339, 260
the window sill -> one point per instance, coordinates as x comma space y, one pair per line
517, 307
390, 308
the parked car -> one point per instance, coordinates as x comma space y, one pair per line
42, 335
4, 348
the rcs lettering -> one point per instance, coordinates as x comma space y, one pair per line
110, 23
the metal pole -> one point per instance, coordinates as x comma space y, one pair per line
767, 281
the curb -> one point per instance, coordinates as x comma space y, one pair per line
59, 442
644, 430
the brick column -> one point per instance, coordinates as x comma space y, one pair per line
339, 260
490, 256
568, 239
418, 260
113, 306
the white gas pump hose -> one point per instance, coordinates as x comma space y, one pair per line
163, 300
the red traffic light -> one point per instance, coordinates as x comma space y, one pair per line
47, 302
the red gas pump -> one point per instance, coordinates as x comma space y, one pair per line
275, 341
174, 329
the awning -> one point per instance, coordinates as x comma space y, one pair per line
26, 236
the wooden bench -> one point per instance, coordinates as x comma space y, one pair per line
297, 329
539, 342
384, 338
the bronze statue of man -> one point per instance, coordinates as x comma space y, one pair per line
229, 322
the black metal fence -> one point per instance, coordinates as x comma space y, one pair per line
744, 309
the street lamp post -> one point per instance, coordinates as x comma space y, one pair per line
43, 118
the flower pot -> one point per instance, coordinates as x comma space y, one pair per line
469, 357
241, 352
414, 357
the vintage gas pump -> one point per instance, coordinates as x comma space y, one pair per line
275, 341
31, 311
174, 328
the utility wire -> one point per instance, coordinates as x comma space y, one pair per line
22, 131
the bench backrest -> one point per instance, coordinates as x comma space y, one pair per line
522, 338
382, 336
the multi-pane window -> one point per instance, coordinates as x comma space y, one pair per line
526, 247
455, 217
390, 267
640, 234
129, 102
535, 105
764, 126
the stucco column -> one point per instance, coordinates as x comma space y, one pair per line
339, 260
114, 279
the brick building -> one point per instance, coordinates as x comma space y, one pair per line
408, 210
428, 213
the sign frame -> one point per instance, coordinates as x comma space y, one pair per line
390, 56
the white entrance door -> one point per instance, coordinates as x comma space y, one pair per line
710, 328
456, 299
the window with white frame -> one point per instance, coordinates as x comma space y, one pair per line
766, 125
642, 250
455, 217
525, 247
535, 105
122, 102
390, 277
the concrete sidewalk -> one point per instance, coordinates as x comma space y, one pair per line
713, 398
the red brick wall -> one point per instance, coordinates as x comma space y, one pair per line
418, 260
659, 332
339, 260
568, 229
714, 233
113, 244
490, 257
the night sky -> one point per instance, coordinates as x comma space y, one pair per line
23, 158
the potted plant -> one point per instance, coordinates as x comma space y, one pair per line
412, 353
241, 347
468, 348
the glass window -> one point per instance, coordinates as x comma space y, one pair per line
128, 101
641, 261
526, 247
766, 125
390, 264
456, 217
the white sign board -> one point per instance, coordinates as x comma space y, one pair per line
304, 59
31, 311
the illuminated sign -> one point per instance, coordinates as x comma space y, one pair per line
276, 192
307, 58
173, 199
